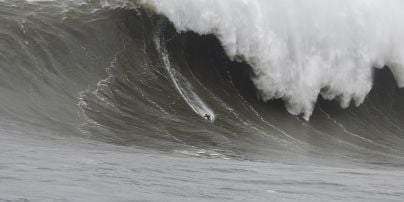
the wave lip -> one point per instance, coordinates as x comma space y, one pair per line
300, 50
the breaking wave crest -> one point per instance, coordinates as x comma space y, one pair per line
301, 49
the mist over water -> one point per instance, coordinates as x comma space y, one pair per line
107, 100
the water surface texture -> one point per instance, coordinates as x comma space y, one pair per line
169, 100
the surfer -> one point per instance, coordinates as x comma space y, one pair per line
207, 117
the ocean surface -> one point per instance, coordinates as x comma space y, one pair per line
203, 100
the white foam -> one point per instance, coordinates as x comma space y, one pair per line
300, 49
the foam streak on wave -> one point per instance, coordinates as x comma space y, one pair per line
182, 85
300, 49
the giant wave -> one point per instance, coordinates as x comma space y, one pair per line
118, 72
104, 100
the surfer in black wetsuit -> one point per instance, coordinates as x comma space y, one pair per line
207, 117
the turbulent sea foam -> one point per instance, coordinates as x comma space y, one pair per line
301, 49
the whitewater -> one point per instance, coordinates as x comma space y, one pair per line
201, 100
300, 49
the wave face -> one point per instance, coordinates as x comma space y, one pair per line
300, 49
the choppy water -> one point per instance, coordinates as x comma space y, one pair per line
105, 101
